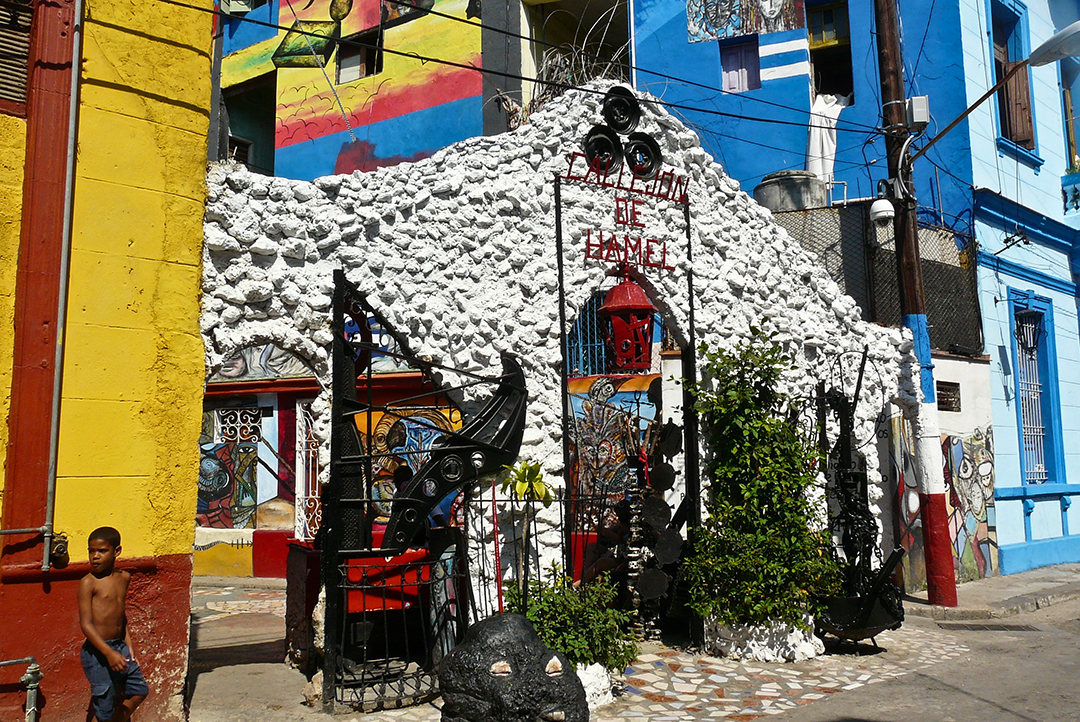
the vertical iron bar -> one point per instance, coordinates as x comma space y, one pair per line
690, 419
564, 371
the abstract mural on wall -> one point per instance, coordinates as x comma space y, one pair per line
229, 494
718, 19
909, 532
353, 89
611, 413
969, 476
227, 485
255, 363
400, 444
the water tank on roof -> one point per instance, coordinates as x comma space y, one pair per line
791, 190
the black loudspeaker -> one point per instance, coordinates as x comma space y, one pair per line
642, 155
621, 109
603, 149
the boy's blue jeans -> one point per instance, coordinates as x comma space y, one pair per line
105, 684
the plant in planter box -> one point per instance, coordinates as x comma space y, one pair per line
762, 554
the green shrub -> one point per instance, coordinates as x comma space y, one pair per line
762, 554
580, 621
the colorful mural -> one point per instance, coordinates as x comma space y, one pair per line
400, 442
969, 476
717, 19
229, 493
260, 362
909, 533
227, 485
356, 93
611, 415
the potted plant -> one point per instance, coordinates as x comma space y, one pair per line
761, 560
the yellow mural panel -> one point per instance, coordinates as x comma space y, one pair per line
249, 63
224, 560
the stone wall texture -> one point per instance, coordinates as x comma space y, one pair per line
458, 251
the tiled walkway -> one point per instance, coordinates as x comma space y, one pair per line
669, 685
666, 685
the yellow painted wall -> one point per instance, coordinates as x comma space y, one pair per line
133, 375
12, 152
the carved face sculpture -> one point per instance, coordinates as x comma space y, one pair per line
502, 672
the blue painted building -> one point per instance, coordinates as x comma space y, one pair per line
1008, 176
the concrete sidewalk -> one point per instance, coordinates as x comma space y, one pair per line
237, 671
997, 597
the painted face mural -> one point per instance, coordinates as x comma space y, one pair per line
969, 476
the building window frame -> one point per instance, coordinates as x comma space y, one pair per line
740, 65
1029, 307
368, 46
1014, 108
15, 39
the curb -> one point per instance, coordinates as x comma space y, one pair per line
1018, 604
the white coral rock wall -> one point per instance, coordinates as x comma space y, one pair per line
458, 251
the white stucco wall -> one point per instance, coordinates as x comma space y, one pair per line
458, 252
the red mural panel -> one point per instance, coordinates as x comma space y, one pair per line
39, 618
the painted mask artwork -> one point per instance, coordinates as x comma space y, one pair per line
502, 672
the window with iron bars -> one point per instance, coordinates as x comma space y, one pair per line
1038, 411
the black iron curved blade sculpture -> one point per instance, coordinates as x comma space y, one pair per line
483, 446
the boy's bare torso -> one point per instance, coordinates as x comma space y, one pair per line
108, 595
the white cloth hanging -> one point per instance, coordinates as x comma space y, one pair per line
821, 140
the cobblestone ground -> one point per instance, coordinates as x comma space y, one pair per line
666, 685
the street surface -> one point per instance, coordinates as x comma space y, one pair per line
1022, 668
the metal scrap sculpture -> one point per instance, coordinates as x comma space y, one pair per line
397, 596
871, 602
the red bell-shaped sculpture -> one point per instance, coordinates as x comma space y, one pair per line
630, 329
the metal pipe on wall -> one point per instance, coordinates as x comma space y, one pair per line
65, 263
32, 680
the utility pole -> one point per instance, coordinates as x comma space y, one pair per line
937, 545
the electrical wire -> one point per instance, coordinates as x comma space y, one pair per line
513, 76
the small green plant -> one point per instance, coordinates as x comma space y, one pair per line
526, 482
762, 554
580, 621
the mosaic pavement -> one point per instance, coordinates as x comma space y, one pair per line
667, 685
214, 603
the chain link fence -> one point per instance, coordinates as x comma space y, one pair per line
861, 257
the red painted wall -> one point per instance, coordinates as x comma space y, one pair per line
39, 618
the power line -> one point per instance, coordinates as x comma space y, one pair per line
498, 73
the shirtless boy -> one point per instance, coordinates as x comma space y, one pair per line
107, 659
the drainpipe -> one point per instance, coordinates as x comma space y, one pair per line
32, 680
46, 529
65, 263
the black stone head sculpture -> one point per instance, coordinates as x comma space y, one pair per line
502, 672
